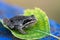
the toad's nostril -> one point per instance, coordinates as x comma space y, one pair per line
27, 20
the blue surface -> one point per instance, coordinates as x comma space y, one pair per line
10, 11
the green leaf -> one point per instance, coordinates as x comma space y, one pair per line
38, 30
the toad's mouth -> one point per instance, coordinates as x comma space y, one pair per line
29, 21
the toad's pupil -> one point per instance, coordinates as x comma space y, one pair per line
11, 20
25, 21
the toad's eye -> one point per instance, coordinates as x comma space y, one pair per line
11, 20
26, 21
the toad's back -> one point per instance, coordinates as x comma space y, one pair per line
18, 18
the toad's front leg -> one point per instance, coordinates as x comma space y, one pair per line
21, 30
